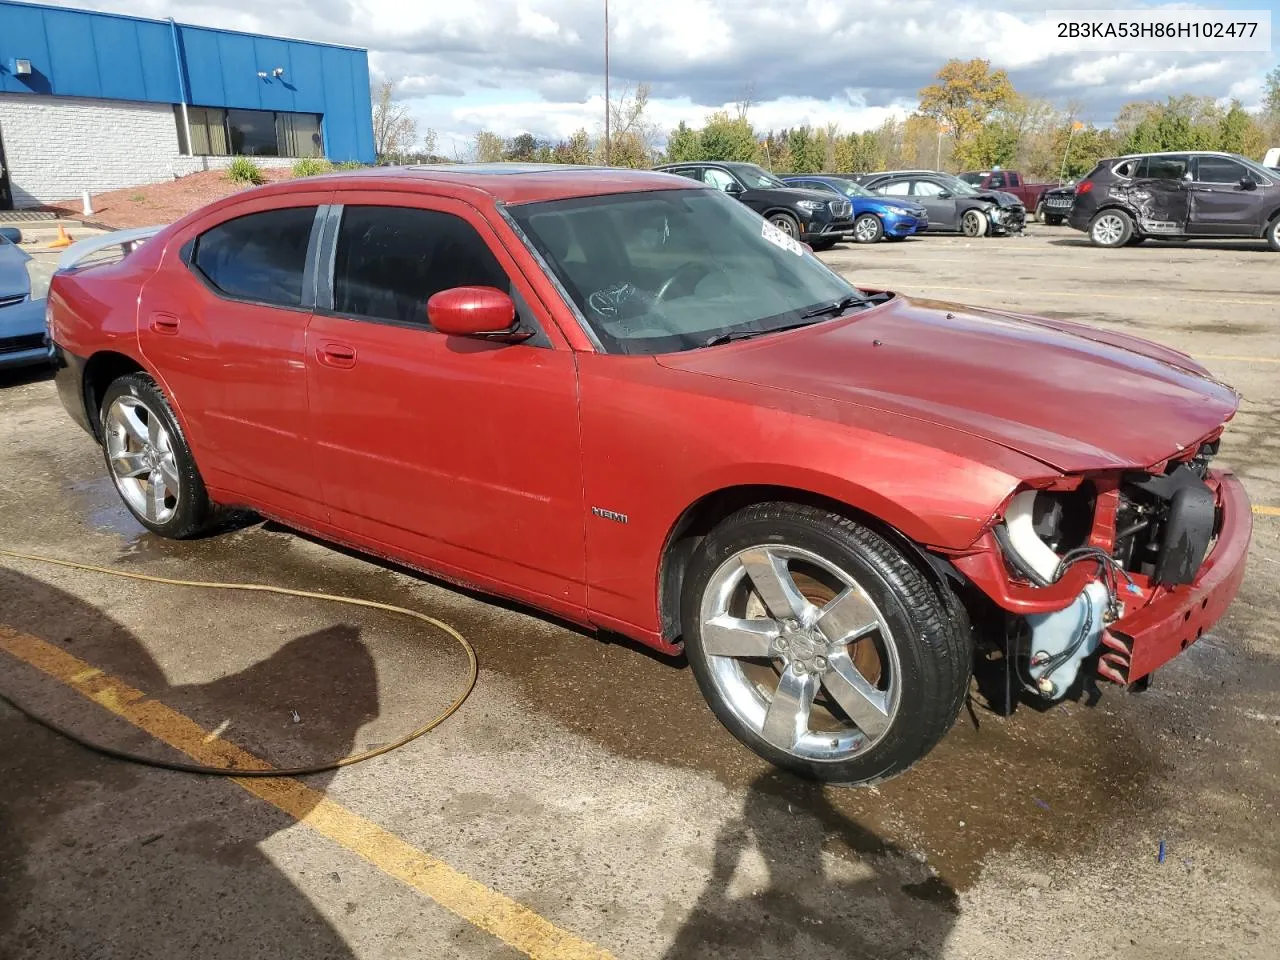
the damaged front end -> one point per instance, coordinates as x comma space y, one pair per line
1114, 573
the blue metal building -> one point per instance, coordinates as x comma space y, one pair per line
96, 101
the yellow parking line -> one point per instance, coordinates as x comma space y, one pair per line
509, 921
1090, 294
1267, 511
1223, 356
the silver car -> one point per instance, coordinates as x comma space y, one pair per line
22, 326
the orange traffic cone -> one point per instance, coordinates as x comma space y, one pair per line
63, 240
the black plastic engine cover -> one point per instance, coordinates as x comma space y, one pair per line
1186, 534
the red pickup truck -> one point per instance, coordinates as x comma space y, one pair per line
1011, 181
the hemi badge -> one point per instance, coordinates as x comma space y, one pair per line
609, 515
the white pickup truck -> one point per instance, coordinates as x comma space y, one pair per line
1272, 158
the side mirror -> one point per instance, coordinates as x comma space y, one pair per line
483, 312
945, 195
12, 234
733, 188
1248, 183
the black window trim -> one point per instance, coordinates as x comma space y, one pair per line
327, 254
190, 250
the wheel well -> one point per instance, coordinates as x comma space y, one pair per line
777, 210
102, 370
700, 518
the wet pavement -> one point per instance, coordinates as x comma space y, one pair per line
585, 778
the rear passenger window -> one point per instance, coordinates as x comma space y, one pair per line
259, 257
898, 188
391, 260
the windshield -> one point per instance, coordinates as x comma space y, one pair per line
1255, 167
958, 186
670, 270
756, 178
972, 178
851, 189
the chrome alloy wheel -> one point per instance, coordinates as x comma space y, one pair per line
142, 459
785, 224
866, 230
800, 653
1108, 229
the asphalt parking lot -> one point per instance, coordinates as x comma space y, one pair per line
584, 802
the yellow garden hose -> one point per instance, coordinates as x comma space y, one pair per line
472, 674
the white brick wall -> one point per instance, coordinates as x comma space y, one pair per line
55, 147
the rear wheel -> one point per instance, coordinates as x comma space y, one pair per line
1111, 228
973, 223
821, 646
868, 229
1273, 234
150, 462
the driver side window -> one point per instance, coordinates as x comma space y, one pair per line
720, 179
899, 188
927, 188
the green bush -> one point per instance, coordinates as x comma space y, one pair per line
311, 166
244, 170
350, 165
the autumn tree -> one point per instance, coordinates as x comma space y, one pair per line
394, 130
684, 144
488, 147
577, 149
726, 137
632, 133
963, 99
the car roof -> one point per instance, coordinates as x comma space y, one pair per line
508, 183
1171, 153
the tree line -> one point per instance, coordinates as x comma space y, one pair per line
971, 117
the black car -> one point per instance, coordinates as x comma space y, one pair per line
816, 218
1177, 196
1055, 204
953, 205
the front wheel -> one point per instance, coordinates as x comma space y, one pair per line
1040, 216
1273, 234
786, 223
973, 223
1111, 228
821, 646
150, 462
868, 229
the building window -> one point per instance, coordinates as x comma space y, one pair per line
255, 133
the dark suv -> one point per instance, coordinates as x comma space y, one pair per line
1126, 200
808, 215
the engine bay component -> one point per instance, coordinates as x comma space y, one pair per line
1060, 641
1166, 523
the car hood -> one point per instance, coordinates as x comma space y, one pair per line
14, 281
788, 194
1071, 396
999, 198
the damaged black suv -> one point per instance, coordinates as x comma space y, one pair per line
1166, 196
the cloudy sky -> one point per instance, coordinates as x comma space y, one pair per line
537, 65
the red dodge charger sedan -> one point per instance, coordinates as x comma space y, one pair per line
625, 398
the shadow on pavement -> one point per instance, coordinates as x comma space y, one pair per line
106, 859
793, 877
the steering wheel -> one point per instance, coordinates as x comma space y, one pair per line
692, 272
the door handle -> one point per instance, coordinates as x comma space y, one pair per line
165, 323
337, 355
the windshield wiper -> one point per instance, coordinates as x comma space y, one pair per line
840, 306
734, 335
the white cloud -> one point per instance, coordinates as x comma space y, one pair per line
536, 65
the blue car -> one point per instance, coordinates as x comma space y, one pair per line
875, 217
22, 331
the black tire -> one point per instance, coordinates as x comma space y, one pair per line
929, 625
1110, 237
817, 246
1039, 216
1134, 241
868, 229
786, 223
193, 512
1053, 220
1273, 234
